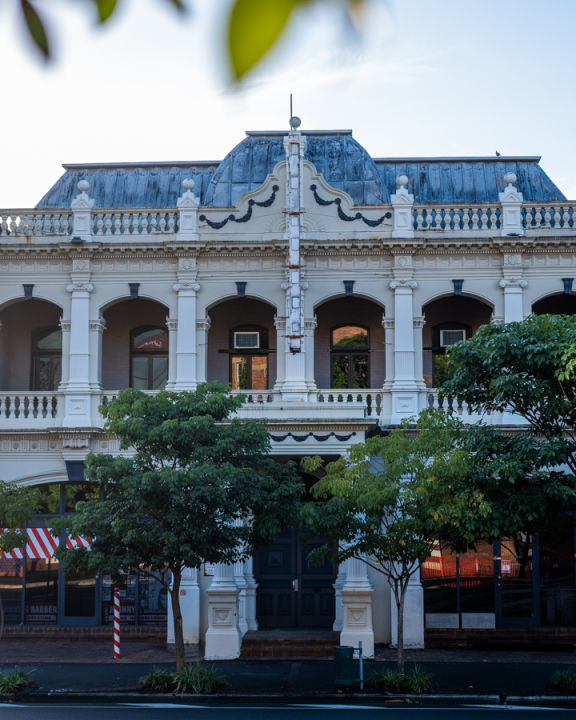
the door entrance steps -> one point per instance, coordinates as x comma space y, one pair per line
284, 643
502, 638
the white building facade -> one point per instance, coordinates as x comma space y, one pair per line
321, 282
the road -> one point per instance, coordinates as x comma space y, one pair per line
172, 711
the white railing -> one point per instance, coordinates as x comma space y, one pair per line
22, 408
35, 223
457, 218
464, 410
552, 216
371, 399
134, 222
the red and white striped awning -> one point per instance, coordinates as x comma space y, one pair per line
41, 544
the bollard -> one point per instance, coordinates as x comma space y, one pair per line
116, 623
343, 666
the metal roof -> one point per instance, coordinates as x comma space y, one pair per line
343, 162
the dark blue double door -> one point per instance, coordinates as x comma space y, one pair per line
292, 594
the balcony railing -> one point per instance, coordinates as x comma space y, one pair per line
26, 409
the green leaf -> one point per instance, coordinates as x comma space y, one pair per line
35, 27
254, 28
105, 8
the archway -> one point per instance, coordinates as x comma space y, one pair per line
557, 304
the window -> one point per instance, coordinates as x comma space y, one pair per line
249, 358
149, 358
443, 337
350, 347
451, 337
46, 358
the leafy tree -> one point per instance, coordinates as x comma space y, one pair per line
391, 499
177, 500
254, 27
17, 505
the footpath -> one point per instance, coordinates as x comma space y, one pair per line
85, 670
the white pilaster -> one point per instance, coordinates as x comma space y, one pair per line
97, 327
402, 202
223, 639
413, 615
404, 385
310, 325
77, 400
186, 369
172, 325
202, 328
511, 202
338, 585
388, 325
65, 325
188, 213
190, 608
357, 608
419, 323
513, 298
280, 325
251, 587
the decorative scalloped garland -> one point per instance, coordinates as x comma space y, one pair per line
232, 218
320, 438
349, 218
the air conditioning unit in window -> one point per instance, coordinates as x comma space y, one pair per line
451, 337
247, 340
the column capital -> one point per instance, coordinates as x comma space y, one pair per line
79, 287
191, 287
98, 325
387, 322
64, 324
172, 323
403, 284
203, 324
311, 323
513, 282
419, 322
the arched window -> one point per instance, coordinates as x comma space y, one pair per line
149, 358
443, 337
350, 359
46, 358
248, 348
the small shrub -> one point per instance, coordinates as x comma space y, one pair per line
194, 679
564, 681
390, 681
14, 681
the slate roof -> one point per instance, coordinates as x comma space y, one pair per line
343, 162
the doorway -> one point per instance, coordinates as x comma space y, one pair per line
291, 594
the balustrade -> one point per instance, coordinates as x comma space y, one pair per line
30, 406
474, 218
37, 223
137, 221
547, 217
371, 399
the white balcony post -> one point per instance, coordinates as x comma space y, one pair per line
65, 325
97, 327
402, 203
310, 325
202, 328
280, 325
81, 213
388, 325
419, 323
404, 385
186, 366
189, 607
172, 325
251, 587
77, 410
188, 213
357, 608
223, 639
511, 202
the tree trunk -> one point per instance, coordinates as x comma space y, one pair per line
177, 615
400, 622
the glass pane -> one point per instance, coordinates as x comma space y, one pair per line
56, 371
48, 499
79, 595
477, 579
159, 373
51, 340
360, 371
450, 337
11, 590
349, 336
153, 602
77, 492
151, 339
438, 575
340, 364
239, 372
140, 373
246, 339
516, 571
259, 372
41, 603
558, 588
128, 591
43, 374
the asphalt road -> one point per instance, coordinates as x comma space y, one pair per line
166, 711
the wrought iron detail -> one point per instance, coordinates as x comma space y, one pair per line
247, 215
348, 218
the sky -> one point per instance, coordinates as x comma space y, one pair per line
425, 78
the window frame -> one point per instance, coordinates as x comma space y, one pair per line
149, 354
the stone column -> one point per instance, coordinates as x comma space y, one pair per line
186, 370
202, 328
190, 607
241, 584
413, 615
65, 325
513, 298
419, 323
404, 385
172, 325
223, 639
357, 608
338, 585
97, 327
77, 401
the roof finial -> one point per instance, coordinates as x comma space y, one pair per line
295, 121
